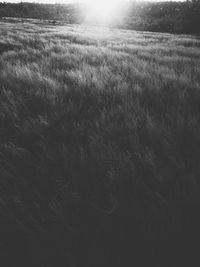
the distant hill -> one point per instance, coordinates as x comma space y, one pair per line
174, 17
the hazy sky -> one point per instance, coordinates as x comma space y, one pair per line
69, 1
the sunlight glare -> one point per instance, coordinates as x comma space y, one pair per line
103, 11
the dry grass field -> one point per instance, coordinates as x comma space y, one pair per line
99, 146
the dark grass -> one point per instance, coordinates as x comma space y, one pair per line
99, 147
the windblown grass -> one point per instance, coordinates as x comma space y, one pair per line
99, 146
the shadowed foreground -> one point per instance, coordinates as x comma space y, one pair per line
99, 147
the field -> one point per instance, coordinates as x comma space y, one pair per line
99, 146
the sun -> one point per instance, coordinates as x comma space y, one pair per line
103, 11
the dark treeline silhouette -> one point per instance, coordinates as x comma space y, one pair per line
182, 17
174, 17
70, 13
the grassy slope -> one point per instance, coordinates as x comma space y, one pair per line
99, 146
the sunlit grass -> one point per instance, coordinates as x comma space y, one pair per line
99, 129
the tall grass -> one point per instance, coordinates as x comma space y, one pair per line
99, 146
